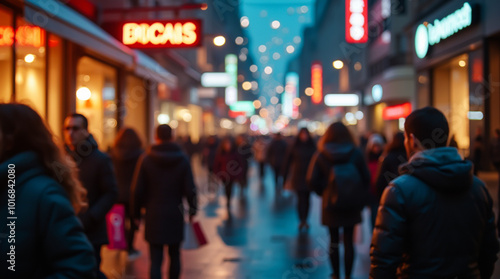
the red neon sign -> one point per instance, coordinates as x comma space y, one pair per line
317, 82
396, 112
356, 21
161, 34
234, 114
25, 36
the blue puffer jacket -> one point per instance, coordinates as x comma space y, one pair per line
49, 239
435, 221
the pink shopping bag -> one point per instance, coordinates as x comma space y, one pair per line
194, 236
115, 221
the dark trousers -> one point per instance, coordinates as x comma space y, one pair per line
303, 204
348, 250
97, 255
130, 229
156, 257
261, 169
276, 175
228, 186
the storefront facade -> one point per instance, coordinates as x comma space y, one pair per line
457, 62
59, 62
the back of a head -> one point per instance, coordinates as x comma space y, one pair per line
429, 126
164, 132
128, 138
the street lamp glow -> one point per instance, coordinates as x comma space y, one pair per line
219, 41
462, 63
290, 49
275, 24
244, 21
309, 91
246, 85
238, 40
163, 118
337, 64
268, 70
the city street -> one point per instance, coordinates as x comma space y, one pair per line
261, 240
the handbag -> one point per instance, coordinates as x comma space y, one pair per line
115, 223
194, 237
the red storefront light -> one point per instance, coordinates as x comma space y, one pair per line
396, 112
234, 114
317, 82
356, 21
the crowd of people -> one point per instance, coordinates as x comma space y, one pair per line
431, 216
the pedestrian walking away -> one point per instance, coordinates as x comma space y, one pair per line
344, 192
162, 179
435, 220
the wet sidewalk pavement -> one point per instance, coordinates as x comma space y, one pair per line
260, 240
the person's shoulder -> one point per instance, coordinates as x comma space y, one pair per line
43, 187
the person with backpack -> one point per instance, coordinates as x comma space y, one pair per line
339, 174
436, 219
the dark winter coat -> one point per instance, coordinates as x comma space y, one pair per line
319, 170
96, 173
276, 153
435, 221
495, 151
389, 169
162, 178
245, 153
49, 238
124, 162
229, 166
296, 164
209, 153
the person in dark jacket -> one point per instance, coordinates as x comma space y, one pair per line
163, 177
42, 235
208, 158
436, 219
393, 157
337, 147
244, 151
125, 153
296, 163
96, 174
275, 155
495, 159
228, 167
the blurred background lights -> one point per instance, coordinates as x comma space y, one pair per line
257, 105
219, 41
276, 56
244, 21
262, 48
253, 68
274, 100
255, 85
359, 115
275, 24
290, 49
163, 118
297, 102
297, 39
337, 64
358, 66
174, 124
309, 91
29, 58
246, 85
239, 40
83, 93
279, 89
268, 70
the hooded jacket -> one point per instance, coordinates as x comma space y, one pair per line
49, 240
319, 171
435, 221
162, 178
95, 171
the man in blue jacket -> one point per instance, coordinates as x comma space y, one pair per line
96, 175
436, 219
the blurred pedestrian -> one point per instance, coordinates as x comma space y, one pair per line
188, 146
97, 176
275, 156
296, 163
495, 158
260, 152
163, 177
337, 147
393, 157
436, 219
244, 150
125, 153
46, 238
374, 149
228, 167
208, 158
477, 150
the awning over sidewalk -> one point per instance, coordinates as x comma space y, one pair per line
148, 68
61, 20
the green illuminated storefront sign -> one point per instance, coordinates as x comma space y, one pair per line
429, 34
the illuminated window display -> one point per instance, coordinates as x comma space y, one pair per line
6, 41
